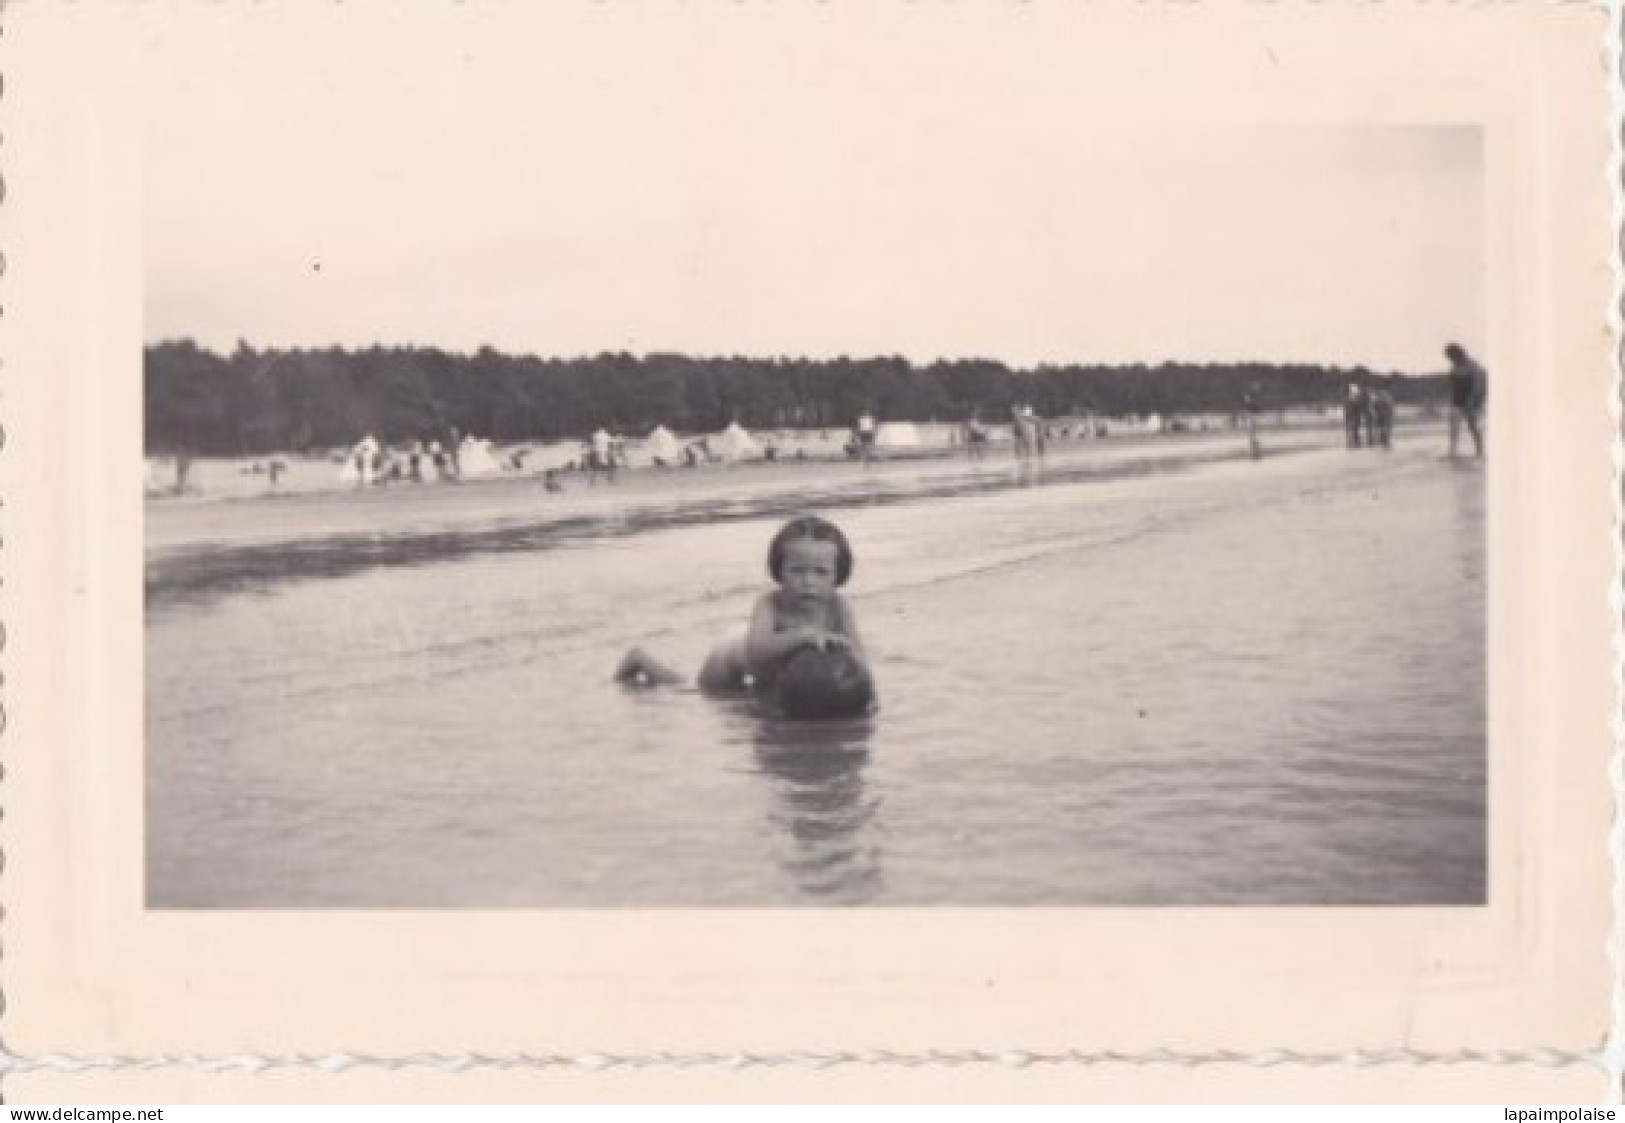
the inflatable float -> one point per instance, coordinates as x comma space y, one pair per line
819, 685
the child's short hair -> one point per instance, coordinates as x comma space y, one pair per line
815, 529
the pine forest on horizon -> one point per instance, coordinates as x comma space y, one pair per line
274, 400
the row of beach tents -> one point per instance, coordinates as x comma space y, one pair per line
368, 460
662, 445
474, 457
735, 443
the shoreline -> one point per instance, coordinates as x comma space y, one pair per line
238, 479
198, 558
183, 523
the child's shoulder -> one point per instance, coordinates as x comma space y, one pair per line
771, 601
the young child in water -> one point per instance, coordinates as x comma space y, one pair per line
809, 559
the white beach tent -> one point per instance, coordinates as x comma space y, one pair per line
898, 434
733, 443
663, 446
474, 458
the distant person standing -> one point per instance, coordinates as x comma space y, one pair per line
975, 436
1469, 387
1249, 414
365, 456
454, 452
866, 436
601, 456
1356, 415
1025, 432
1382, 417
183, 467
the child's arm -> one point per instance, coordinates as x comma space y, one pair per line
846, 627
765, 644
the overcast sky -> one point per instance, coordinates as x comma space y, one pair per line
593, 184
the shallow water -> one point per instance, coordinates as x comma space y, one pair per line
1235, 683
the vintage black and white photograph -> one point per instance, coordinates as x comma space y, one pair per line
708, 477
769, 552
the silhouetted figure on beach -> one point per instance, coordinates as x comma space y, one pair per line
1356, 415
975, 437
1469, 387
454, 452
1382, 418
1027, 432
864, 432
600, 456
183, 468
1249, 419
365, 457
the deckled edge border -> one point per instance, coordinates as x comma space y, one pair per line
1611, 1056
242, 1064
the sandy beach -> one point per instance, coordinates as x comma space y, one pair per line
267, 516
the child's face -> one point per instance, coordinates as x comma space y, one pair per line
808, 570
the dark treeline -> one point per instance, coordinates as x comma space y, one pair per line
255, 401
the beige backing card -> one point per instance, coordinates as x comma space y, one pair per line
90, 972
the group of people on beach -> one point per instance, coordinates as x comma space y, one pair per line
421, 461
603, 454
1368, 416
1028, 434
1368, 409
